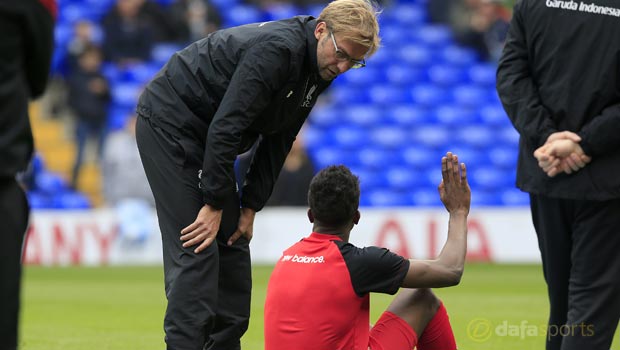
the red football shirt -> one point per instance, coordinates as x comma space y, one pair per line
317, 298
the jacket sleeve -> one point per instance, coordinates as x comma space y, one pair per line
600, 135
39, 45
266, 166
517, 89
260, 72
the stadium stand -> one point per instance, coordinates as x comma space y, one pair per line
419, 96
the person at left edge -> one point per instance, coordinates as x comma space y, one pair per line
26, 46
209, 103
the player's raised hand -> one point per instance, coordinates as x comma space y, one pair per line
454, 189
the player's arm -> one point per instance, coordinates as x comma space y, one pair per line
262, 70
447, 269
517, 89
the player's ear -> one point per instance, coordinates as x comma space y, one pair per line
310, 216
356, 217
319, 29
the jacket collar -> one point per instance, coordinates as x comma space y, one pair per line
312, 44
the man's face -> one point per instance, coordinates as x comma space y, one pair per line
330, 63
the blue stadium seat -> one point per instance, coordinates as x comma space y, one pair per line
431, 136
161, 53
126, 94
388, 198
112, 72
473, 157
366, 115
344, 95
139, 73
425, 197
373, 158
312, 9
369, 179
504, 157
427, 95
459, 56
383, 56
38, 200
420, 157
407, 115
393, 35
315, 136
494, 115
490, 178
515, 197
118, 115
326, 116
483, 74
471, 95
72, 13
446, 75
348, 137
484, 198
390, 137
405, 179
49, 183
417, 55
433, 174
455, 115
325, 156
241, 14
386, 95
404, 14
404, 75
479, 136
221, 4
363, 77
434, 35
63, 33
71, 200
508, 136
279, 11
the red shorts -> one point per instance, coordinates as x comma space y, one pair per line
391, 333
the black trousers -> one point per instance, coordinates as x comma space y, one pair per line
580, 245
14, 213
208, 293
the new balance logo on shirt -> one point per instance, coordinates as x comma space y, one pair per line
303, 259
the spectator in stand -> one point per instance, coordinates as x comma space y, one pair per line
89, 95
291, 188
194, 19
480, 24
128, 35
123, 174
82, 39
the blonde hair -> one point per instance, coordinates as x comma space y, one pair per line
354, 20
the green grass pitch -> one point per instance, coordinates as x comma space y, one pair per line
121, 308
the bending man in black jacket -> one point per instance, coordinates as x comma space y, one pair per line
559, 81
210, 103
27, 29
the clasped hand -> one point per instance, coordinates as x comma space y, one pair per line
561, 153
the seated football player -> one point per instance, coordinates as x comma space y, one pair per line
318, 293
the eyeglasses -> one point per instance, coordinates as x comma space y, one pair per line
343, 57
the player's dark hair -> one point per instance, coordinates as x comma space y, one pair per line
334, 195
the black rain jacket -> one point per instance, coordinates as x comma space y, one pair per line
27, 29
560, 70
220, 93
